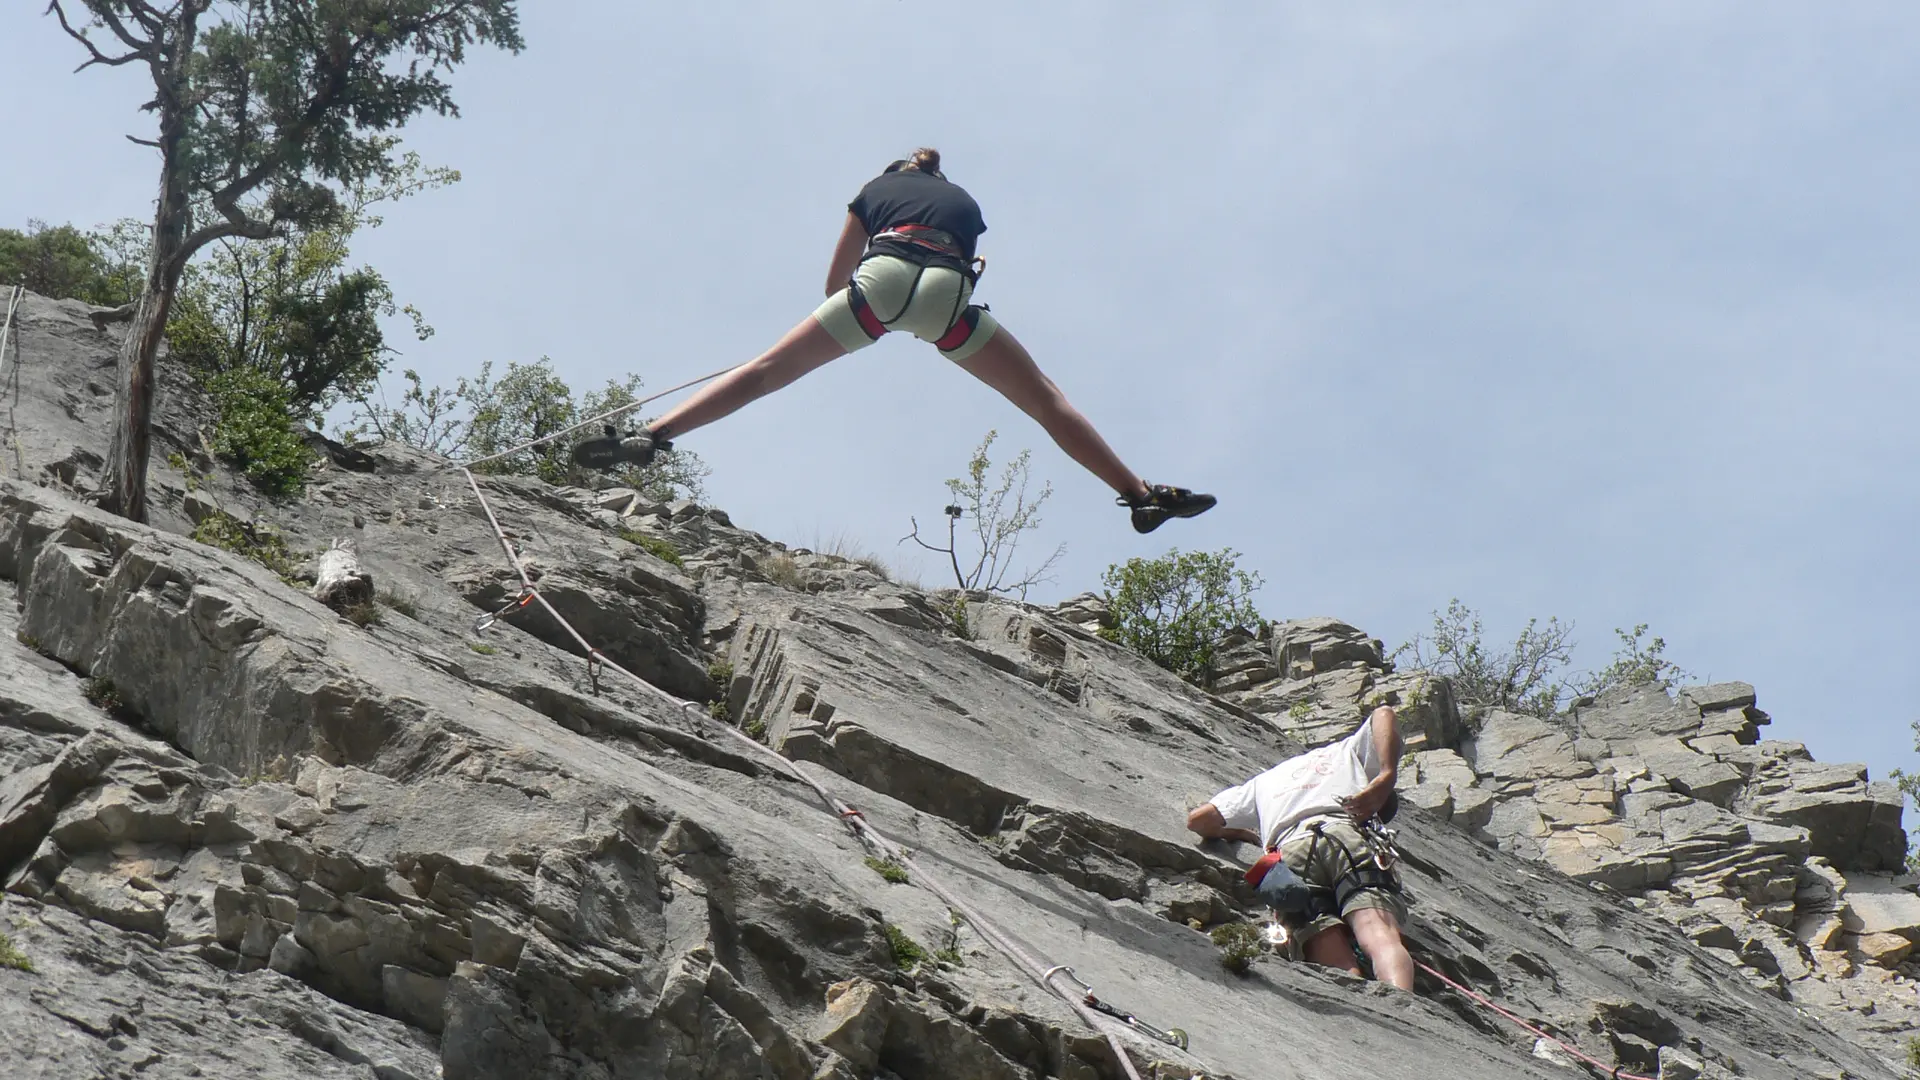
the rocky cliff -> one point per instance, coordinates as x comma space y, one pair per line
242, 835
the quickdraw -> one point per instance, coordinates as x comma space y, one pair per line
1380, 841
481, 624
1170, 1036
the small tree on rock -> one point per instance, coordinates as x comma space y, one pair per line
1176, 610
1530, 675
1910, 786
292, 308
1525, 677
484, 416
999, 513
1634, 664
262, 114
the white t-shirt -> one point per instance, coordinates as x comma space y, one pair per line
1302, 787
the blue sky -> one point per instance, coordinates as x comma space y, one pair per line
1603, 312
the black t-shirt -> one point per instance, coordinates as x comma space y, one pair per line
912, 197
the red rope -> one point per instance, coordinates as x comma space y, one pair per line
1488, 1003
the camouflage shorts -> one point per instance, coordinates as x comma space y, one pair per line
1322, 862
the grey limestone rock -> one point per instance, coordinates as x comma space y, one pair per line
242, 836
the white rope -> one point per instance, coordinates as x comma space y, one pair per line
6, 333
854, 820
589, 422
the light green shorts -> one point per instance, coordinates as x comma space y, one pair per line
931, 303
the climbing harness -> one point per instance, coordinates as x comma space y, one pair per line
1171, 1036
1088, 1008
961, 323
1286, 892
1368, 873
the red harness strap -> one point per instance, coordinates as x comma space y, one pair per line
863, 312
933, 239
1258, 871
961, 330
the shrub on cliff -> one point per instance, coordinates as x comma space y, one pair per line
1175, 610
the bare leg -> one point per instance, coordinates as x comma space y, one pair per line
804, 348
1005, 365
1333, 948
1379, 935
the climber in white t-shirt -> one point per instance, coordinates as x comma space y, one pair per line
1308, 811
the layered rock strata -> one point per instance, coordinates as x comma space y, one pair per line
242, 835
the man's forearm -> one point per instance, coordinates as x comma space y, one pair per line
1387, 744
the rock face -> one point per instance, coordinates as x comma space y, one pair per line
241, 835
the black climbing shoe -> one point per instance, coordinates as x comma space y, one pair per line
1163, 502
612, 450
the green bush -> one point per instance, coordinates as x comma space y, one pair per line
907, 953
957, 618
1176, 609
1239, 945
101, 692
1910, 784
720, 676
1634, 664
259, 543
12, 957
888, 869
61, 262
256, 430
1530, 675
484, 416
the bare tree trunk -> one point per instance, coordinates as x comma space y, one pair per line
126, 488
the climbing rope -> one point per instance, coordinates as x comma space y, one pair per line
854, 820
1485, 1002
617, 410
6, 333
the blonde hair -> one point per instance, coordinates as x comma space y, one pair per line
926, 159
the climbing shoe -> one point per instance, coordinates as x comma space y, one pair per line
612, 450
1162, 502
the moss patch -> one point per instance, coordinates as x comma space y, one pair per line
888, 869
654, 546
12, 957
907, 953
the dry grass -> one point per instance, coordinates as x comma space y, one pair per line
406, 603
363, 615
781, 569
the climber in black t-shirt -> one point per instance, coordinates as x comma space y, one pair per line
905, 261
